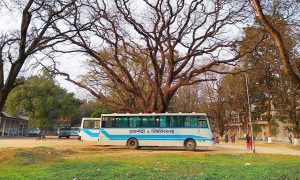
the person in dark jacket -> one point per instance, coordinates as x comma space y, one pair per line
290, 138
226, 138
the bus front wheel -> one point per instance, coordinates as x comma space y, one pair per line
190, 145
133, 143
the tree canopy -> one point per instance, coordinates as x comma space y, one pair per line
142, 54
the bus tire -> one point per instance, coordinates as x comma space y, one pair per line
68, 137
190, 144
133, 143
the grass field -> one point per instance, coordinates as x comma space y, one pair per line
48, 163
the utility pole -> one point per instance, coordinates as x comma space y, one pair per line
249, 107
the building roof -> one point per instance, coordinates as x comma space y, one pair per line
11, 116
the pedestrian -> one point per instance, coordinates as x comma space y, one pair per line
290, 138
226, 138
217, 139
233, 138
248, 141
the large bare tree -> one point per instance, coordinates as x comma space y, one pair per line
27, 38
143, 52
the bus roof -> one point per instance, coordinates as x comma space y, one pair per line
156, 114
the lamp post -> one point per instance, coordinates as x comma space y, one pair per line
249, 107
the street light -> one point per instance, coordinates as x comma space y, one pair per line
249, 107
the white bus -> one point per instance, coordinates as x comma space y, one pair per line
157, 129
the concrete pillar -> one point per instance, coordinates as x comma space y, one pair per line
22, 132
8, 133
3, 129
269, 139
296, 142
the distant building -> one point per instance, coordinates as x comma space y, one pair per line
239, 126
13, 125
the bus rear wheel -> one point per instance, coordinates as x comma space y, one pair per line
133, 143
190, 145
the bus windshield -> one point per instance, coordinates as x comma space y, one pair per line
65, 127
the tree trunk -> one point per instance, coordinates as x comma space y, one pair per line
288, 69
269, 117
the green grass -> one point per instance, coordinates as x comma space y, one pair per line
47, 163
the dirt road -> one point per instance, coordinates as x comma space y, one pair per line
237, 148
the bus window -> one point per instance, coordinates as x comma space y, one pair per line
164, 121
97, 124
187, 122
151, 121
176, 121
203, 123
156, 121
135, 121
115, 122
193, 121
91, 124
123, 122
145, 122
108, 121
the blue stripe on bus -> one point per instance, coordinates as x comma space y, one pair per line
154, 137
91, 134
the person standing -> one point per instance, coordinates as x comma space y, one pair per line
290, 138
248, 141
226, 138
233, 139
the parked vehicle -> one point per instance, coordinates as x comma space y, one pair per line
34, 132
64, 130
14, 132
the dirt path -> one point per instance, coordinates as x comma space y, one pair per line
238, 148
260, 148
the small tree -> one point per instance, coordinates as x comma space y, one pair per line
42, 101
256, 129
